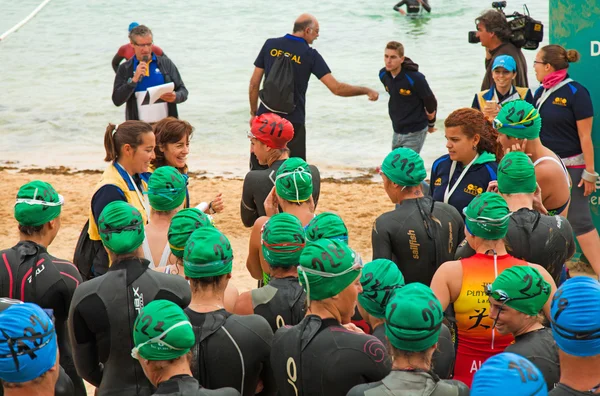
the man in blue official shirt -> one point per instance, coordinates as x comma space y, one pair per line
306, 61
412, 105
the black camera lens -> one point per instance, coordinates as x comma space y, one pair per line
499, 4
473, 39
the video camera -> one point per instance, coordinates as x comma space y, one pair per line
527, 33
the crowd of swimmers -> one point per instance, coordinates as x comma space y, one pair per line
468, 290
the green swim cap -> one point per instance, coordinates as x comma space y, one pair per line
413, 318
487, 216
404, 167
121, 227
326, 268
522, 288
293, 181
516, 174
207, 253
327, 225
519, 119
182, 225
167, 188
162, 331
282, 240
380, 279
37, 203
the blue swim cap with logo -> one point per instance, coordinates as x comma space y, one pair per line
27, 343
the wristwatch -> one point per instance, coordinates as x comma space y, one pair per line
130, 81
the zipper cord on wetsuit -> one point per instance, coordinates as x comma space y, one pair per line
241, 358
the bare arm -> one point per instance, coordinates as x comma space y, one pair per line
548, 278
253, 89
584, 130
342, 89
243, 305
447, 282
253, 262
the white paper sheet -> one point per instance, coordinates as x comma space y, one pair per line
157, 91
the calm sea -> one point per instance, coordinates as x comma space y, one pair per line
56, 78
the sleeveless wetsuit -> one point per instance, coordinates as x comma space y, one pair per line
535, 238
101, 321
419, 236
414, 382
184, 385
232, 351
320, 357
51, 285
281, 302
477, 340
560, 209
164, 258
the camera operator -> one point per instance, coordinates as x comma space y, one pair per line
494, 33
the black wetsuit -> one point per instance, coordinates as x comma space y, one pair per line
257, 186
419, 236
564, 390
320, 357
101, 321
232, 351
184, 385
51, 285
539, 347
64, 385
281, 302
416, 382
535, 238
413, 6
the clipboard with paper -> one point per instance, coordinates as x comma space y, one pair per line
153, 94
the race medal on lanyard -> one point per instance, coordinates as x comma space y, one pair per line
448, 193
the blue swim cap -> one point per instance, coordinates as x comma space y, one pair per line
575, 317
505, 61
27, 343
133, 25
508, 371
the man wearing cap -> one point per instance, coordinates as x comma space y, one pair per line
281, 302
518, 124
145, 70
531, 236
104, 309
504, 73
508, 373
293, 194
325, 354
575, 322
462, 283
28, 351
517, 297
419, 234
304, 61
413, 324
31, 274
126, 51
269, 137
163, 337
231, 350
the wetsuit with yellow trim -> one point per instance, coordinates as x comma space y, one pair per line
477, 339
515, 93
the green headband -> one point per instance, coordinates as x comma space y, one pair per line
522, 288
293, 181
380, 279
327, 225
283, 240
326, 268
519, 119
162, 331
404, 167
487, 216
167, 189
37, 203
413, 318
121, 227
207, 253
182, 225
516, 174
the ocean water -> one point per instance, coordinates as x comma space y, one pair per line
56, 84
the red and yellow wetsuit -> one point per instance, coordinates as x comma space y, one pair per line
477, 340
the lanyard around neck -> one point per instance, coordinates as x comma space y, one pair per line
448, 193
143, 200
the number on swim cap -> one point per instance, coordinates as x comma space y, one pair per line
506, 164
525, 369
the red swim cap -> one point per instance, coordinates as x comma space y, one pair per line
272, 130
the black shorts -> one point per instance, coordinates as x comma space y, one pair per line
580, 214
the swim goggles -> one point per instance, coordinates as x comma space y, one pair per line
529, 118
135, 352
31, 201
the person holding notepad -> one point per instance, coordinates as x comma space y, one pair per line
146, 72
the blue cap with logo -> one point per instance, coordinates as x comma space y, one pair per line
505, 61
133, 25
